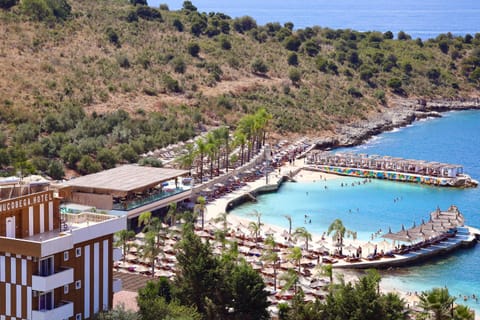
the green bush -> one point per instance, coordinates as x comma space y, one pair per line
295, 75
178, 25
179, 66
225, 44
123, 61
259, 66
43, 10
193, 49
139, 2
395, 84
311, 48
292, 59
55, 170
244, 24
171, 84
149, 13
292, 43
87, 165
113, 37
7, 4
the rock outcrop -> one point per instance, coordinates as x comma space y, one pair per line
399, 113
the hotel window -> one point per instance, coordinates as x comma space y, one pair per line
46, 267
78, 252
65, 256
78, 316
65, 289
45, 301
78, 284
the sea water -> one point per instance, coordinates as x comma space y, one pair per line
379, 205
423, 19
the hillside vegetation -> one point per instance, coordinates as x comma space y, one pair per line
91, 83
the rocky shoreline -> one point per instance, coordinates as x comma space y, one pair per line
399, 113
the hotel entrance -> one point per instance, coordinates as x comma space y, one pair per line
10, 227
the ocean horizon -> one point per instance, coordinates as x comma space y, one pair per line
420, 19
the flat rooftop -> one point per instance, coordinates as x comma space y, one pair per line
126, 178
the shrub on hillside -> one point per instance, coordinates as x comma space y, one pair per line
178, 25
171, 84
395, 84
259, 66
293, 43
7, 4
244, 24
295, 75
149, 13
113, 37
194, 49
139, 2
292, 59
44, 10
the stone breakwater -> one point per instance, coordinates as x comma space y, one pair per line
399, 113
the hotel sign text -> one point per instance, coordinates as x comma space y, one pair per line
25, 201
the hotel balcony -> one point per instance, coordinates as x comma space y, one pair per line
64, 310
39, 245
46, 283
117, 285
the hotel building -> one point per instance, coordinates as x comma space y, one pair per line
128, 190
53, 266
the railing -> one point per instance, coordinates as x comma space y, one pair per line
63, 310
84, 217
133, 204
60, 278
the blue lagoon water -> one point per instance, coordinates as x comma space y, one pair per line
369, 207
424, 19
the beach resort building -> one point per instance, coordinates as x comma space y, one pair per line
128, 190
53, 266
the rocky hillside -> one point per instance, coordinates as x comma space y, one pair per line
140, 77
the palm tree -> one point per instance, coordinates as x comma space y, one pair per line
437, 303
202, 149
211, 149
246, 125
144, 219
225, 135
291, 279
172, 213
339, 231
295, 254
124, 237
462, 312
186, 160
218, 136
302, 232
257, 215
254, 228
222, 234
262, 118
270, 256
257, 226
327, 270
240, 140
200, 208
289, 218
150, 250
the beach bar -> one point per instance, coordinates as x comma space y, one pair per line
390, 168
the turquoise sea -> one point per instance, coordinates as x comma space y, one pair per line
421, 19
369, 207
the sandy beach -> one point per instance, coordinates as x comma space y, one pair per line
219, 205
